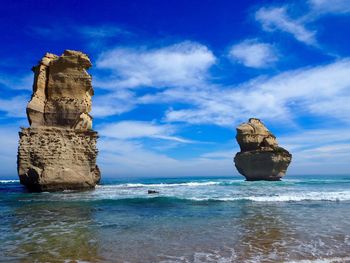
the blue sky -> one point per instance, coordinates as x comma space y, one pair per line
173, 79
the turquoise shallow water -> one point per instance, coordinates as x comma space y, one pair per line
299, 219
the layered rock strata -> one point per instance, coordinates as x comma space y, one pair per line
59, 151
260, 157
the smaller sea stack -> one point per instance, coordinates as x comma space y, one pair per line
260, 157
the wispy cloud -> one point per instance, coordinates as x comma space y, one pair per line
67, 30
277, 19
101, 31
254, 54
113, 103
132, 158
228, 154
181, 64
322, 7
15, 82
14, 106
122, 70
279, 98
53, 31
8, 150
140, 129
322, 151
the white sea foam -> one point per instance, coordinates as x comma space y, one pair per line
224, 190
224, 182
138, 185
213, 257
291, 197
322, 260
224, 196
8, 181
230, 190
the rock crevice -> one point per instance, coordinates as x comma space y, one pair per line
58, 151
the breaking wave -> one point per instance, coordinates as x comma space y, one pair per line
8, 181
212, 190
322, 260
292, 197
194, 197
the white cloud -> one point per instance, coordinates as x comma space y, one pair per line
276, 18
131, 158
15, 106
182, 64
100, 31
280, 98
54, 31
139, 129
253, 54
17, 82
321, 151
330, 7
113, 103
57, 31
312, 138
338, 107
228, 154
237, 107
8, 151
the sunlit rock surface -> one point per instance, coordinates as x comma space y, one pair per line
59, 151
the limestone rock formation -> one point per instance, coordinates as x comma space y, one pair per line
260, 157
59, 151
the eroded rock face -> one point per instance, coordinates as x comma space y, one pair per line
59, 151
62, 90
260, 157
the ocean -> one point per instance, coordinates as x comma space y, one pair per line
218, 219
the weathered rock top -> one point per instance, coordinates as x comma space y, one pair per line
62, 92
253, 135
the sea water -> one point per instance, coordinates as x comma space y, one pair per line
218, 219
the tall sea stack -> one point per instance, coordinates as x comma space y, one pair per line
58, 151
260, 157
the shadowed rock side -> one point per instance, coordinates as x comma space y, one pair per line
59, 151
260, 157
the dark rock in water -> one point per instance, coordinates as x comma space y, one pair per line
260, 157
58, 151
150, 192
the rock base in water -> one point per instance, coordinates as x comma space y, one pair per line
256, 165
53, 159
